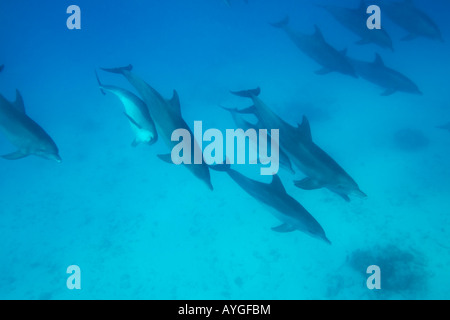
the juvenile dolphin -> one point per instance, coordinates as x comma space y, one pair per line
285, 208
284, 160
387, 78
167, 117
24, 133
412, 19
319, 50
445, 127
321, 170
137, 113
355, 20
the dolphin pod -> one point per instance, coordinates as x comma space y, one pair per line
137, 113
321, 170
285, 208
355, 21
25, 133
167, 117
316, 47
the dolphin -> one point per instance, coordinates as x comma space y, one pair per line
24, 133
2, 67
321, 170
285, 208
445, 127
167, 117
137, 113
355, 20
416, 22
319, 50
387, 78
284, 160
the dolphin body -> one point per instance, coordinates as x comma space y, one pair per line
355, 20
137, 113
24, 133
412, 19
387, 78
285, 208
319, 50
167, 117
445, 127
321, 170
284, 160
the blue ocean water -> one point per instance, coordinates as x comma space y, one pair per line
139, 228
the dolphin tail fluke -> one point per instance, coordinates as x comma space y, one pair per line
118, 70
282, 24
100, 84
247, 93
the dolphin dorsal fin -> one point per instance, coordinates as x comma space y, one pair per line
304, 130
19, 104
379, 60
318, 32
277, 184
175, 102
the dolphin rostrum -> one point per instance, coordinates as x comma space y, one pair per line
321, 170
355, 20
412, 19
319, 50
167, 117
137, 113
24, 133
285, 208
387, 78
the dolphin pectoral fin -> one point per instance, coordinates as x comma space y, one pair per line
166, 158
409, 37
388, 92
133, 121
284, 228
15, 156
308, 184
345, 197
323, 71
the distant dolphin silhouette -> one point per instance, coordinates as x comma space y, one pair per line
167, 117
319, 50
355, 20
2, 67
412, 19
137, 113
285, 208
445, 127
321, 170
24, 133
387, 78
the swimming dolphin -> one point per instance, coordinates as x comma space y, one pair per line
167, 117
355, 20
445, 127
387, 78
285, 208
319, 50
284, 160
321, 170
2, 67
24, 133
137, 113
412, 19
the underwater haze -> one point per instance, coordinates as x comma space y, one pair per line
140, 228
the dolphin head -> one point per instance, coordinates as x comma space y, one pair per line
346, 187
48, 151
